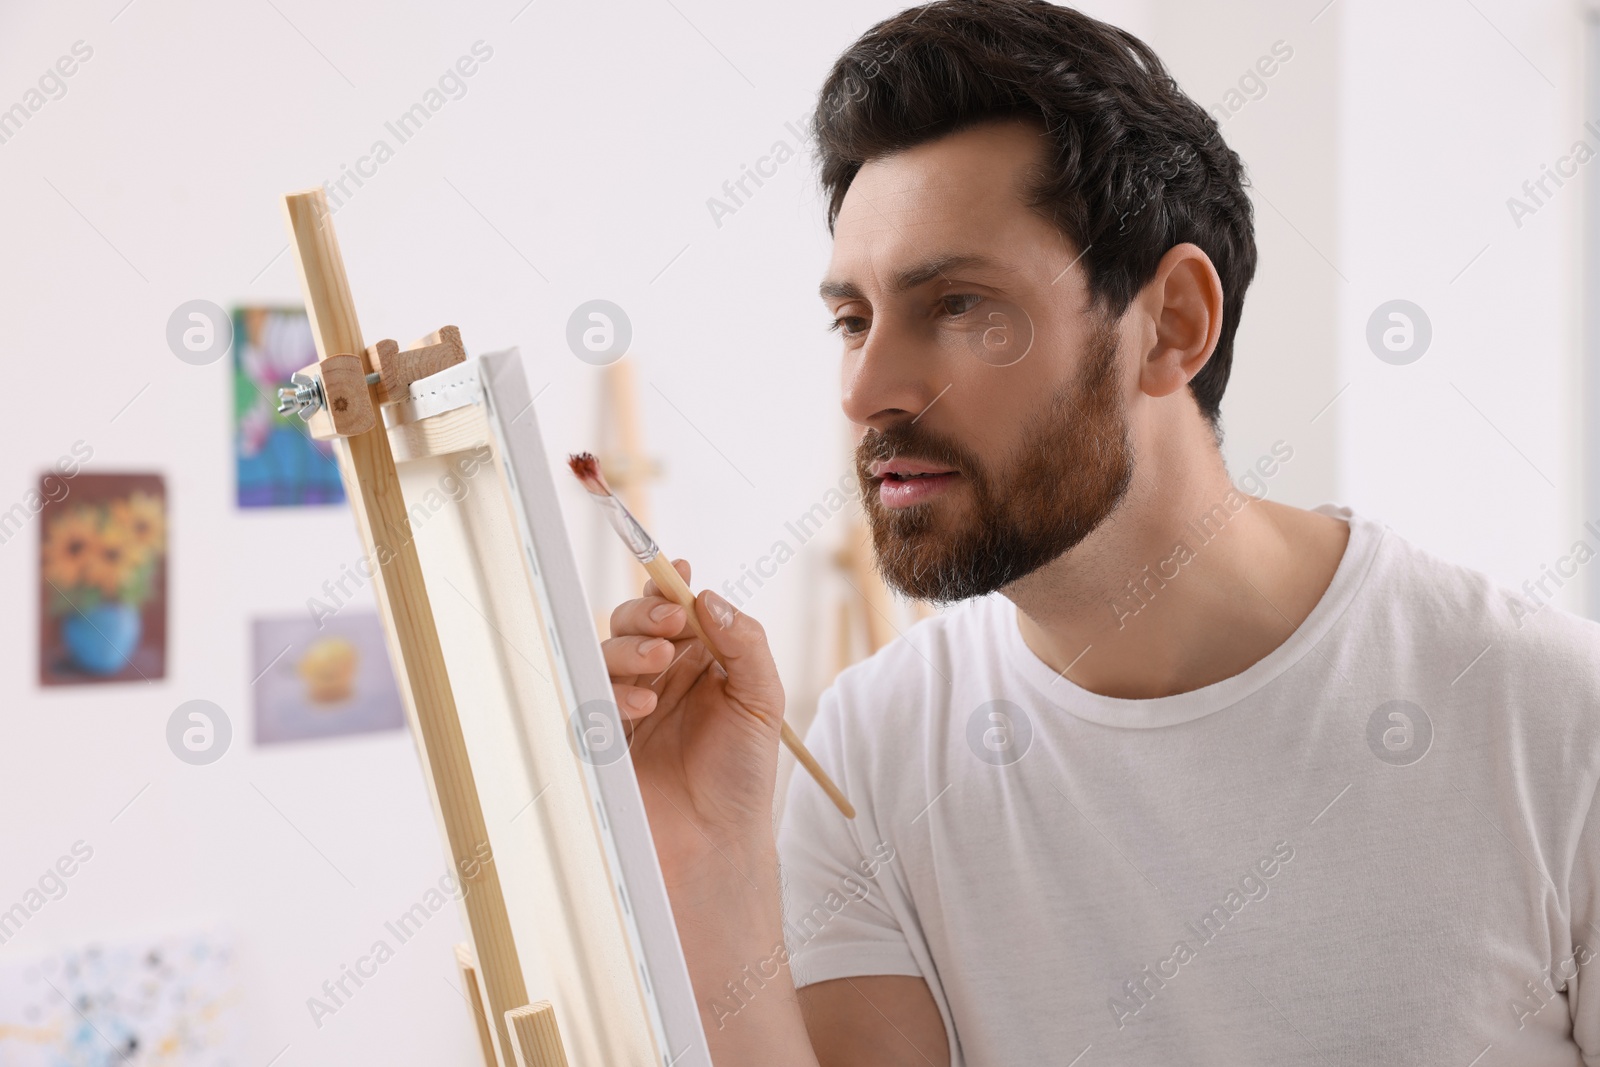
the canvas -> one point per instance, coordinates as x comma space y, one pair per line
571, 842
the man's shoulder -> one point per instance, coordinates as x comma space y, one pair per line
910, 679
885, 721
929, 644
1524, 636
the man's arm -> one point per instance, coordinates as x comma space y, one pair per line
881, 1020
732, 934
730, 923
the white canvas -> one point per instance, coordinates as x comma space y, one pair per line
570, 838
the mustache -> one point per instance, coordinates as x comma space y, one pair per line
910, 441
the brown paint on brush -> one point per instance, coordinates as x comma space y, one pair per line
586, 468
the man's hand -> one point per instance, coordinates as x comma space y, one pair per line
704, 740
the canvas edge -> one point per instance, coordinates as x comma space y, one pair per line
637, 885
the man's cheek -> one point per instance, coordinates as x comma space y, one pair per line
998, 333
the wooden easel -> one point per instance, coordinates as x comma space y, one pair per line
866, 607
867, 613
343, 395
629, 470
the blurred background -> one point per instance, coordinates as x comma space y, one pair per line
1418, 337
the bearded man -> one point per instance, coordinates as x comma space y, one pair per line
1182, 776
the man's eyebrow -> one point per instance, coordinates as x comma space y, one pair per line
919, 274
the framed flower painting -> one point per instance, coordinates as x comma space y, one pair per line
103, 579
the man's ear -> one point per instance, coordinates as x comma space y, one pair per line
1184, 301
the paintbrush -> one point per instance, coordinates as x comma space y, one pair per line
587, 469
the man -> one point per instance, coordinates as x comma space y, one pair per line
1185, 777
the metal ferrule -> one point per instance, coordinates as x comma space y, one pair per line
622, 520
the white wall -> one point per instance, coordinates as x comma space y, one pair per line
585, 151
1382, 157
1270, 75
1474, 451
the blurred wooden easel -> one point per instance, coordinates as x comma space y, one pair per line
866, 609
628, 469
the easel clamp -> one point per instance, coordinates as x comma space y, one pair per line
335, 396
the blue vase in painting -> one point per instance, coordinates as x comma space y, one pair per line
102, 639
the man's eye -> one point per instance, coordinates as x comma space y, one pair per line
848, 324
961, 303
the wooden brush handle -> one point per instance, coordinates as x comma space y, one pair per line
803, 755
672, 586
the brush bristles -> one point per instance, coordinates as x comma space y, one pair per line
587, 470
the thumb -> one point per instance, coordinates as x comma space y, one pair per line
741, 643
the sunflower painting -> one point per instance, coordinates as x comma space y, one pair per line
102, 581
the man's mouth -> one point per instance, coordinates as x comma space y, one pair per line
903, 482
902, 469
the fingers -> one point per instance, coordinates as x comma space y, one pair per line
741, 644
633, 701
679, 565
651, 615
644, 647
648, 616
659, 685
631, 656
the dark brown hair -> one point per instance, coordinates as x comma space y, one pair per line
1134, 165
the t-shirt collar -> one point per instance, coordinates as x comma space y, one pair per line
1359, 553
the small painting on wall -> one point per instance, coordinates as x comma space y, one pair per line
278, 463
103, 580
318, 678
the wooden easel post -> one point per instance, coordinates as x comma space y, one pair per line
854, 559
872, 607
373, 486
467, 967
534, 1036
628, 469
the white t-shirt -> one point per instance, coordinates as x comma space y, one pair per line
1378, 845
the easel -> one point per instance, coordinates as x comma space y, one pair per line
341, 396
628, 469
867, 610
866, 614
863, 611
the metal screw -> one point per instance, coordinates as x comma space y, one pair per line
304, 395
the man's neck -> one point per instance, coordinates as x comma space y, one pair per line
1189, 582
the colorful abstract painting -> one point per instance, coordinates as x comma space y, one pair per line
103, 580
322, 678
278, 463
173, 1001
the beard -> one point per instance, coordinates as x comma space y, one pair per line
1070, 472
